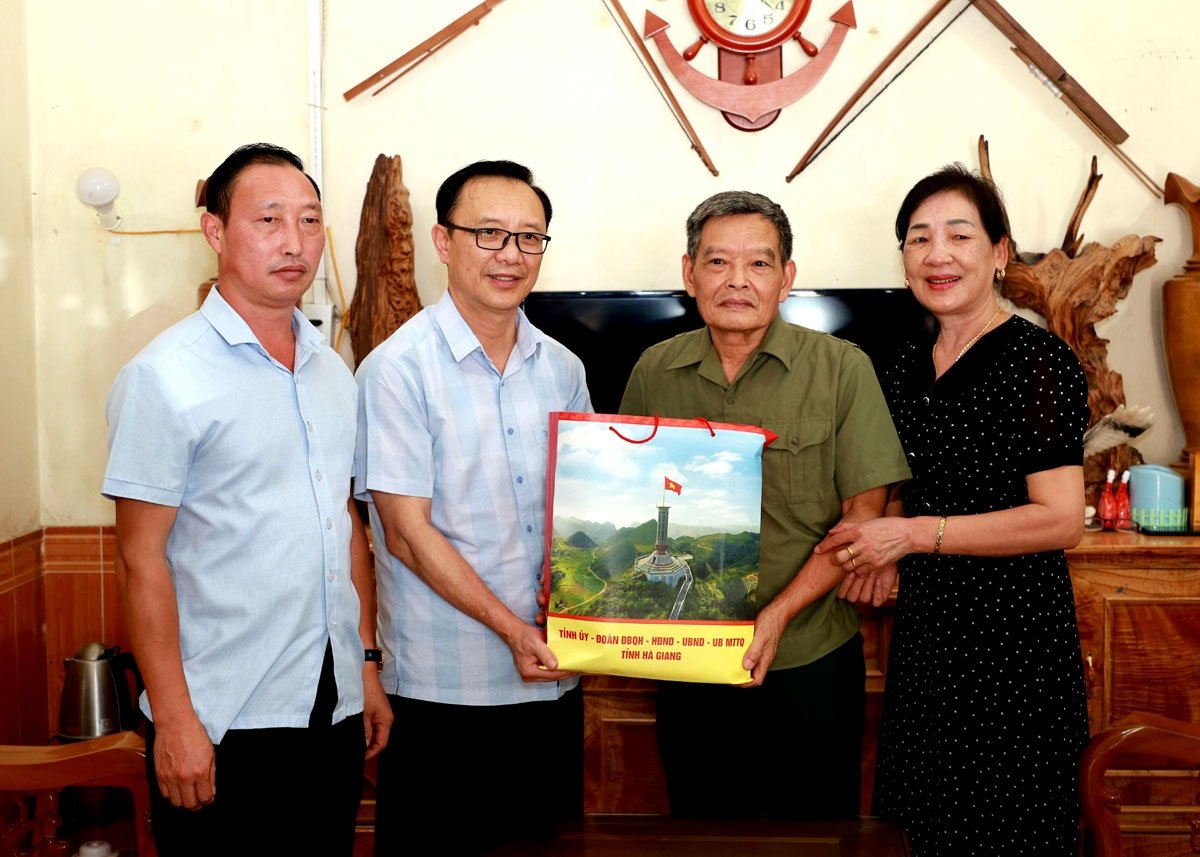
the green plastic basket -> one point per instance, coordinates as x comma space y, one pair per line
1162, 519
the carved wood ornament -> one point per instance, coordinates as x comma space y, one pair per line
1073, 287
386, 293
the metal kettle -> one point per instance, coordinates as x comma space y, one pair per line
100, 691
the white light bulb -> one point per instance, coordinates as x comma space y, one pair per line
99, 188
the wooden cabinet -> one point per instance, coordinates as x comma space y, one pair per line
1138, 602
621, 769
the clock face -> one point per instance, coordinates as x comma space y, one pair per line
748, 26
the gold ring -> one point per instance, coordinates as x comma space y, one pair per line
853, 562
850, 550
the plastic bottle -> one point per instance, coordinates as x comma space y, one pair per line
1124, 516
1108, 503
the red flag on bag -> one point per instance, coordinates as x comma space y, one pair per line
672, 485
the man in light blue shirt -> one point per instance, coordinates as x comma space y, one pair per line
453, 442
231, 442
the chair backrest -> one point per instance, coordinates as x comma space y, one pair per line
1171, 741
117, 760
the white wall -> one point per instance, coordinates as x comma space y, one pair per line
622, 176
185, 83
20, 511
158, 93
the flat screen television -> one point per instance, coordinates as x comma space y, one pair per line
610, 330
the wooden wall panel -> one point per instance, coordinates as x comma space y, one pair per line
81, 599
22, 642
36, 723
6, 566
27, 558
73, 619
10, 717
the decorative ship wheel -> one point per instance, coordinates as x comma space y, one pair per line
750, 89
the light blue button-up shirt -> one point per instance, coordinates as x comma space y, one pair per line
437, 420
258, 461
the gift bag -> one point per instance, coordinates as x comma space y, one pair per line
652, 533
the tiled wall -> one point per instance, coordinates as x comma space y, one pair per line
57, 592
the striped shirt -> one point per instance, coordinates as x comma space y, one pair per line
438, 420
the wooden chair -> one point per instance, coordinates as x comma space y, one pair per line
1173, 746
41, 772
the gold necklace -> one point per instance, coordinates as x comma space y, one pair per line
966, 347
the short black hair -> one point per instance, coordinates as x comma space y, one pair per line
733, 202
980, 192
450, 191
218, 190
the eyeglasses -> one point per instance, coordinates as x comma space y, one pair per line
491, 238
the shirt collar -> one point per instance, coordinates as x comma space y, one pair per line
700, 348
235, 331
777, 343
308, 339
225, 320
463, 341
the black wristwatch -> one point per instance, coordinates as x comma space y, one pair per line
375, 655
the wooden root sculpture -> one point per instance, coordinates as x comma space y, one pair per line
1073, 288
385, 295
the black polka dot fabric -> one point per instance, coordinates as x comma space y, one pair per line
984, 713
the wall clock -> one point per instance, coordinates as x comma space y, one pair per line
750, 88
748, 26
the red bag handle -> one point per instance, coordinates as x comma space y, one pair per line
646, 439
650, 437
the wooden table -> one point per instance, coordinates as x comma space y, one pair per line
658, 836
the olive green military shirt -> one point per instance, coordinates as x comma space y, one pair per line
820, 396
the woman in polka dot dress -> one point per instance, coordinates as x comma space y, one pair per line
984, 714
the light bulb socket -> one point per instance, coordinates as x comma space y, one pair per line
108, 217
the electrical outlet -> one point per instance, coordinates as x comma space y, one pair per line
321, 316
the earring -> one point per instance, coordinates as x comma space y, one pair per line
1000, 274
907, 285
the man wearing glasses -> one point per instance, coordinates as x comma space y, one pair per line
453, 437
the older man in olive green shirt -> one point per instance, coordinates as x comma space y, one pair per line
791, 744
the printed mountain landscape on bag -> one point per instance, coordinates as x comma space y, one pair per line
711, 577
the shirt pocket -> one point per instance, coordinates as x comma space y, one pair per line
798, 466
